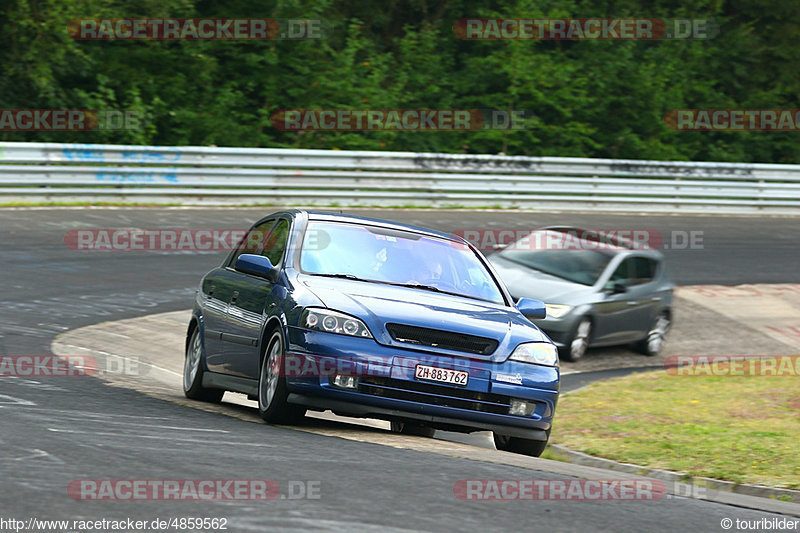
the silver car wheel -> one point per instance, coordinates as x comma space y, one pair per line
581, 340
655, 337
192, 363
270, 372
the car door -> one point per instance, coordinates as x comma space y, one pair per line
251, 297
645, 290
622, 315
214, 297
221, 286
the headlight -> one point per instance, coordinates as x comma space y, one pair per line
333, 322
557, 310
538, 353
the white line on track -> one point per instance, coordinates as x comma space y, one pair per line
39, 453
15, 401
104, 416
158, 437
159, 427
136, 360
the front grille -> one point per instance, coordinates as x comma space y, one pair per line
413, 391
436, 338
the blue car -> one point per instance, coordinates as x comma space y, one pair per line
370, 318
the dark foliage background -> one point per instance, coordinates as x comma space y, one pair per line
589, 98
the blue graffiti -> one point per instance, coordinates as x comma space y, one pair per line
137, 177
90, 154
83, 155
173, 154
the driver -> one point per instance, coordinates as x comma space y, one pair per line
430, 271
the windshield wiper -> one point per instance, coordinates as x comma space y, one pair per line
353, 277
432, 288
415, 285
343, 276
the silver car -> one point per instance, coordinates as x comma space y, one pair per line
599, 290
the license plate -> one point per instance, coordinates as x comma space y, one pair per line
442, 375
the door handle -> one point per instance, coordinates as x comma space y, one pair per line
632, 303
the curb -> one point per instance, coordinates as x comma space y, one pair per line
760, 491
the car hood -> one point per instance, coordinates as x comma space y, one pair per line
378, 304
524, 282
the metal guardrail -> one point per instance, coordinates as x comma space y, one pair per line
63, 173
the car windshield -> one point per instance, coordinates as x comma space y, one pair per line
579, 266
396, 257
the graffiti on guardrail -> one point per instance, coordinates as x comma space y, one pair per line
137, 177
455, 180
88, 153
442, 161
678, 170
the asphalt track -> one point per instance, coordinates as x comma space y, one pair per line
55, 430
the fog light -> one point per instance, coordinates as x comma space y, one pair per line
521, 408
345, 382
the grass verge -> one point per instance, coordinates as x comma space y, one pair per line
743, 429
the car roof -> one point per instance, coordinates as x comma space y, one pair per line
626, 245
356, 219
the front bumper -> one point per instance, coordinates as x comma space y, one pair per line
387, 387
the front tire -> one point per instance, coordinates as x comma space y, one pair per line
653, 343
534, 448
193, 372
579, 341
272, 390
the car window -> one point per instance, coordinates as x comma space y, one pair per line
253, 242
579, 266
396, 257
635, 271
644, 269
275, 244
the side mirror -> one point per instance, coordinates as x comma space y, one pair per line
256, 265
615, 287
531, 308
